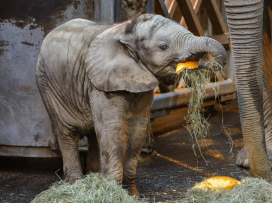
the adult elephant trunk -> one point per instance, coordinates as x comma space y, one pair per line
245, 20
198, 46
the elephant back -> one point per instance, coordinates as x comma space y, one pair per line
60, 70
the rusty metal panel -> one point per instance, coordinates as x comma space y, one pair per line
28, 151
23, 26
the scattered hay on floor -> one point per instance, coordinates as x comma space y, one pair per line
92, 188
251, 190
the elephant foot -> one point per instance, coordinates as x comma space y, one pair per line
133, 191
146, 157
72, 180
242, 161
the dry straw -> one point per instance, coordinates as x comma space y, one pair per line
197, 79
91, 189
196, 123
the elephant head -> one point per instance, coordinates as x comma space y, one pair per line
131, 56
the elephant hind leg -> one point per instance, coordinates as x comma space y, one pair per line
139, 131
93, 159
68, 143
148, 150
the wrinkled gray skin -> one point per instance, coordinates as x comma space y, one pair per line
97, 81
248, 23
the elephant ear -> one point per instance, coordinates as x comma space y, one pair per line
111, 67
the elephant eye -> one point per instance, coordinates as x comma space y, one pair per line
163, 46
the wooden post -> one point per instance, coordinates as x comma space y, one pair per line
215, 17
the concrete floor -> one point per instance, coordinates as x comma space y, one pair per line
167, 177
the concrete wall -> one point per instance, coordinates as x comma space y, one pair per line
23, 26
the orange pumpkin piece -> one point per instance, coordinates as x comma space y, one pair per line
186, 65
217, 182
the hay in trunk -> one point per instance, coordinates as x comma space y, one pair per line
91, 188
196, 123
252, 190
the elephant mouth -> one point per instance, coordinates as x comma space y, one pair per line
186, 65
203, 61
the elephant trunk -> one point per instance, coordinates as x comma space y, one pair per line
245, 19
198, 46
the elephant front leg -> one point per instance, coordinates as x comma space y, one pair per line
136, 139
112, 143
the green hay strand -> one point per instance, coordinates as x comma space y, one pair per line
196, 124
91, 188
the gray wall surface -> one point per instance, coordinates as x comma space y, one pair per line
23, 26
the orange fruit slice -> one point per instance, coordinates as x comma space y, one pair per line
186, 65
217, 182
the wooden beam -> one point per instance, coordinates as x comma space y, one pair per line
168, 3
197, 4
172, 8
215, 17
224, 39
190, 16
163, 8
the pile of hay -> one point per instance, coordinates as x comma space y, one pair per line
251, 190
92, 188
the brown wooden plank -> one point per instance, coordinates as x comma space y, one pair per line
172, 8
223, 39
190, 16
215, 17
197, 4
168, 3
163, 8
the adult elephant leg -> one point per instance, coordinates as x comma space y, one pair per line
245, 24
268, 121
93, 159
267, 73
267, 90
68, 143
241, 159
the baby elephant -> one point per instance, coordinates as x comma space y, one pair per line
97, 81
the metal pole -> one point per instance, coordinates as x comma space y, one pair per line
107, 8
117, 11
151, 6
